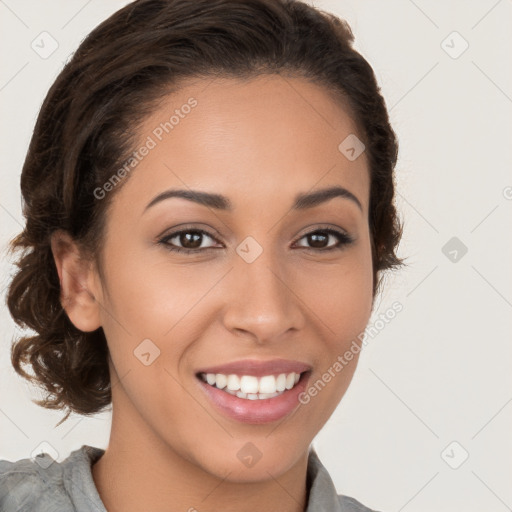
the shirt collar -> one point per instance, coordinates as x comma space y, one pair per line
323, 496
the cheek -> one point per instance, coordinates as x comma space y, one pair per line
341, 299
341, 294
149, 296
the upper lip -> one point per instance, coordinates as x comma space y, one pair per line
258, 368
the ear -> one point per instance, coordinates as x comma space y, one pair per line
77, 283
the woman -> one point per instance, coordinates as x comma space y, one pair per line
209, 209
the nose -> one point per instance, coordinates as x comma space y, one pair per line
262, 301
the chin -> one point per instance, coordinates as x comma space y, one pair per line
250, 461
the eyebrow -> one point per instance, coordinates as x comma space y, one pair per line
302, 201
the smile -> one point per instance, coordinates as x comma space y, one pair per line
250, 387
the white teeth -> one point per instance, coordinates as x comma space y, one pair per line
250, 387
221, 380
281, 382
290, 381
233, 382
267, 384
249, 384
268, 395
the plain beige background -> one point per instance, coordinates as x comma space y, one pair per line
426, 422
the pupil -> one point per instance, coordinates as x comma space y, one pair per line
314, 238
186, 239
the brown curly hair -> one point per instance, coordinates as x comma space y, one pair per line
88, 125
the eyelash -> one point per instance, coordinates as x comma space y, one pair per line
343, 240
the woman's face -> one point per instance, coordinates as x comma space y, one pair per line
258, 280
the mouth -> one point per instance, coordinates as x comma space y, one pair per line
251, 387
253, 391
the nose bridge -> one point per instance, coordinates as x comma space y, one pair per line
262, 302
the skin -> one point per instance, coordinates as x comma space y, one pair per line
258, 142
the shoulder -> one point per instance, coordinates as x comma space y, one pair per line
25, 481
38, 484
348, 504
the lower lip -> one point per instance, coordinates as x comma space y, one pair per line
256, 411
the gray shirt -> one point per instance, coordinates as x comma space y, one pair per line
44, 485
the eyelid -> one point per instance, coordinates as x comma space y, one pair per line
325, 228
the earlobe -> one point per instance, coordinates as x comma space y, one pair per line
77, 296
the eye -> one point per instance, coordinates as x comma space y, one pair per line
320, 237
190, 239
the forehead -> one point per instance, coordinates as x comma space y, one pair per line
265, 137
